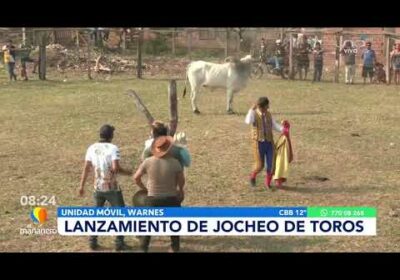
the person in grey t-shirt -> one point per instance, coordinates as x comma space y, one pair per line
165, 182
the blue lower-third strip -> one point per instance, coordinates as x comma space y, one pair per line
157, 212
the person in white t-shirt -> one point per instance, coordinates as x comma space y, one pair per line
103, 157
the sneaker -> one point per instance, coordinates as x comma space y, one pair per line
122, 247
253, 182
94, 246
172, 250
144, 249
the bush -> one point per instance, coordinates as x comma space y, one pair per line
246, 45
156, 46
181, 51
208, 53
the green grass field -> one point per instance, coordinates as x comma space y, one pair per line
47, 127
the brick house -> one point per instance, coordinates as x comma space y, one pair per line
359, 36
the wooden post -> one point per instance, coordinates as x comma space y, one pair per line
240, 39
337, 58
189, 43
34, 36
23, 37
237, 44
227, 43
387, 56
139, 54
55, 37
340, 46
77, 41
173, 108
291, 70
141, 107
42, 62
123, 40
98, 39
88, 58
42, 55
173, 41
77, 38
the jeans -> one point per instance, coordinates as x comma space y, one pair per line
317, 72
10, 68
153, 201
116, 199
276, 62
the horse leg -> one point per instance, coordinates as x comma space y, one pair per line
229, 98
193, 94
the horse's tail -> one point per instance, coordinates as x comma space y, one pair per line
184, 89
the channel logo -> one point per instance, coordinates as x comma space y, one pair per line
39, 215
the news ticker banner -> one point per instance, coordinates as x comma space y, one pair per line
195, 221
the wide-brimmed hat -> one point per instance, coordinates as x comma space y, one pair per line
161, 146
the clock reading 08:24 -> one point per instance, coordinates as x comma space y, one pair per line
42, 200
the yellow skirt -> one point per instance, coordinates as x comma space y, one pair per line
283, 157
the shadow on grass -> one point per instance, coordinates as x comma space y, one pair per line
251, 243
228, 244
244, 113
319, 188
310, 189
221, 113
162, 78
134, 248
305, 113
206, 244
208, 112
